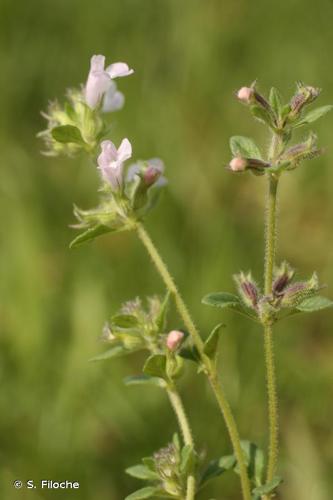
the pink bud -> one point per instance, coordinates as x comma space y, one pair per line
174, 339
151, 175
238, 164
245, 94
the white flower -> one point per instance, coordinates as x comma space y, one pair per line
100, 79
111, 161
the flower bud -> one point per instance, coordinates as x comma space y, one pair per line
151, 175
303, 151
282, 277
238, 164
248, 289
305, 94
174, 340
246, 95
297, 292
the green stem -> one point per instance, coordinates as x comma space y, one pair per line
270, 249
185, 428
272, 403
209, 367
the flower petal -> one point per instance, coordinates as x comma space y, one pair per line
118, 69
113, 99
124, 150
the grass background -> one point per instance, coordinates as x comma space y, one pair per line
63, 418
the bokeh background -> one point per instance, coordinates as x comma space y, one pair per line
62, 417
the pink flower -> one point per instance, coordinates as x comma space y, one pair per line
174, 339
111, 161
100, 79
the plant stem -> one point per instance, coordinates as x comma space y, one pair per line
270, 249
185, 428
210, 369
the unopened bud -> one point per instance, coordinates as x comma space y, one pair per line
238, 164
245, 94
174, 340
303, 151
248, 289
296, 293
305, 95
282, 277
151, 175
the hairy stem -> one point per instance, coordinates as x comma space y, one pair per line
185, 428
272, 402
209, 367
270, 249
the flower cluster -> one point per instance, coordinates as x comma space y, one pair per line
79, 124
282, 119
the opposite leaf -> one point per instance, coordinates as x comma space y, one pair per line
91, 234
268, 487
244, 147
149, 492
211, 343
67, 133
155, 366
144, 380
315, 303
114, 352
227, 300
314, 115
142, 472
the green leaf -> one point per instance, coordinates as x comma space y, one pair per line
255, 461
244, 147
155, 366
315, 303
268, 487
211, 343
144, 380
161, 318
148, 492
313, 115
227, 300
125, 321
67, 133
142, 472
190, 353
262, 115
115, 352
217, 467
187, 460
275, 101
91, 234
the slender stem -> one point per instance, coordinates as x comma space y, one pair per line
185, 428
209, 367
272, 403
270, 249
270, 232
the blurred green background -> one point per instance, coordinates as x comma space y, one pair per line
64, 418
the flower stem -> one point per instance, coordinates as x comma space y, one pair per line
270, 249
210, 368
185, 428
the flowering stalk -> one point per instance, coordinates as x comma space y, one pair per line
270, 248
209, 367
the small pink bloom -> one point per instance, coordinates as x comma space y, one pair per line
238, 164
245, 94
99, 79
111, 161
174, 339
